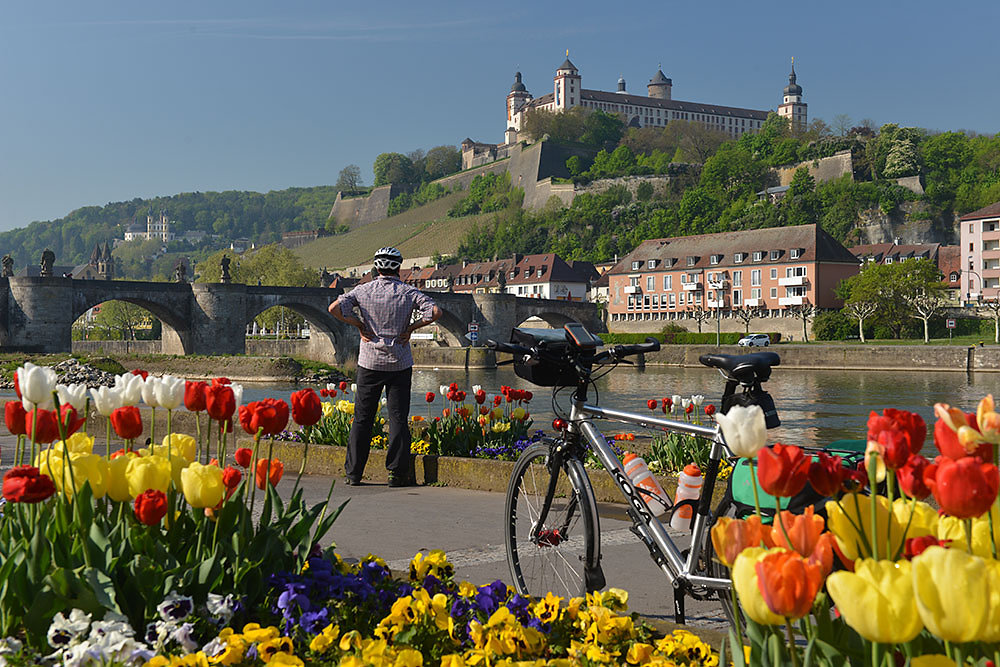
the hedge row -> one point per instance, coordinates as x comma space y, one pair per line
679, 338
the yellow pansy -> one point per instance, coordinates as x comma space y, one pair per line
286, 659
253, 633
745, 582
639, 653
350, 641
949, 585
409, 658
877, 600
452, 660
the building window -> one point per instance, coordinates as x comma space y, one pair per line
631, 303
650, 283
656, 301
691, 261
795, 253
714, 259
737, 297
670, 299
680, 298
774, 274
651, 264
645, 301
758, 255
755, 293
636, 265
668, 283
633, 281
737, 278
774, 292
792, 271
775, 254
755, 278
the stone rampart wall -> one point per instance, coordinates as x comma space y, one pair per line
360, 211
823, 169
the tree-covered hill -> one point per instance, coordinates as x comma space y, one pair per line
231, 214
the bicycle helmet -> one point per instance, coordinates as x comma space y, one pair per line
388, 258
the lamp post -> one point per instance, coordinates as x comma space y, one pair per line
982, 286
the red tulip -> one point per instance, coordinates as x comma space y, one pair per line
453, 386
231, 478
14, 414
194, 396
430, 396
652, 403
17, 386
221, 382
964, 488
332, 393
127, 422
323, 392
277, 469
528, 395
895, 449
855, 479
343, 385
827, 475
220, 401
689, 409
24, 484
70, 421
47, 427
911, 477
243, 456
151, 506
139, 371
307, 409
914, 546
782, 470
909, 425
484, 409
946, 439
496, 401
710, 409
480, 397
268, 414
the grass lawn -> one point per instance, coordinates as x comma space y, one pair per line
419, 232
957, 340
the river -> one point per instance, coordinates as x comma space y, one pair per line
816, 407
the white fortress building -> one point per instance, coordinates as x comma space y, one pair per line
157, 228
656, 108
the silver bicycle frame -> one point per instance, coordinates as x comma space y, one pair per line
673, 563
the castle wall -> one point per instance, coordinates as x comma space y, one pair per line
823, 169
360, 211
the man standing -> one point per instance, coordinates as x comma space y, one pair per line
385, 305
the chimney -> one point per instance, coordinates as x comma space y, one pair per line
465, 263
517, 257
895, 241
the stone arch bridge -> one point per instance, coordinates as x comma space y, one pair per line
37, 314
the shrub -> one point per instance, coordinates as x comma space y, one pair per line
834, 325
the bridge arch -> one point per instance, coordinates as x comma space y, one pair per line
452, 328
175, 332
329, 339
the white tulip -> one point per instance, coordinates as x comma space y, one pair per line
107, 399
148, 390
238, 395
170, 392
37, 384
685, 402
354, 388
698, 399
443, 390
743, 429
130, 389
331, 386
476, 388
73, 394
676, 400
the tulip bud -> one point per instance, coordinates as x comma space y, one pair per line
73, 394
106, 400
170, 392
37, 384
743, 429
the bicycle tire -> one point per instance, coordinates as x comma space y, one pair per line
716, 569
564, 559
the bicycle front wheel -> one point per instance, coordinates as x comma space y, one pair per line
560, 552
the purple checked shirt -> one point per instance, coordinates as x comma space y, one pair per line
386, 305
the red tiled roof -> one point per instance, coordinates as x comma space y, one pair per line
991, 211
898, 251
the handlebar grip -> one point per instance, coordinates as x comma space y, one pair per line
507, 347
651, 345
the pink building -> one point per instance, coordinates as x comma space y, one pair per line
980, 248
773, 269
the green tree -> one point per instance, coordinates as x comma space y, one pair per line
393, 168
271, 265
902, 160
892, 289
441, 161
119, 320
349, 178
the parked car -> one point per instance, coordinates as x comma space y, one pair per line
755, 340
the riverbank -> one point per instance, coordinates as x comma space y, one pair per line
814, 356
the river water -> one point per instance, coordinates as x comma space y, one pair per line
816, 407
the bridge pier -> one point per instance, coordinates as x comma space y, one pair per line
39, 314
218, 318
499, 316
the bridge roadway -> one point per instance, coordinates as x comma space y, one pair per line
37, 314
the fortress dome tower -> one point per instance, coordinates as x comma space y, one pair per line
792, 106
567, 86
516, 99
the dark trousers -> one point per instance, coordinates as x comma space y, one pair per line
396, 412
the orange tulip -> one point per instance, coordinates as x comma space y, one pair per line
803, 531
268, 473
731, 536
788, 583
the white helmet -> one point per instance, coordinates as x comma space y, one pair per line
388, 258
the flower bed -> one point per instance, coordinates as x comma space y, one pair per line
163, 555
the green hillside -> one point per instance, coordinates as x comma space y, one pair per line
418, 232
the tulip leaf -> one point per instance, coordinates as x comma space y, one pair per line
103, 588
738, 655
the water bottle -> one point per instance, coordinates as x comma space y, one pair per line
688, 488
638, 472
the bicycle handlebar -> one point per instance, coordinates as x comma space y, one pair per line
616, 353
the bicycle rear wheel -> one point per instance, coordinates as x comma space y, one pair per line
562, 554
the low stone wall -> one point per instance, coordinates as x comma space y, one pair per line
98, 347
790, 328
263, 347
426, 356
848, 357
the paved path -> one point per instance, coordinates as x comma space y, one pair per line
396, 523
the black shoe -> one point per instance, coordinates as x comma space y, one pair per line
353, 481
400, 480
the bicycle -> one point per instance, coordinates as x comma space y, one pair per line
551, 512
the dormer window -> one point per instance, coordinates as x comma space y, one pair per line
758, 255
539, 273
692, 260
739, 257
775, 254
636, 265
651, 264
795, 253
715, 259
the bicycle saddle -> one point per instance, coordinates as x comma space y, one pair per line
744, 368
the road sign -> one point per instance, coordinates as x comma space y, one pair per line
473, 326
474, 336
950, 323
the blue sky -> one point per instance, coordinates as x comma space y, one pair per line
108, 100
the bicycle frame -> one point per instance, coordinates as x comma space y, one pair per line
666, 554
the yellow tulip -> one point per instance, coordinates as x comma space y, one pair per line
924, 521
877, 600
936, 660
117, 481
857, 509
496, 413
178, 444
950, 528
951, 591
202, 485
991, 633
147, 472
745, 582
78, 443
518, 413
82, 468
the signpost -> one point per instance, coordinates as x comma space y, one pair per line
950, 323
473, 334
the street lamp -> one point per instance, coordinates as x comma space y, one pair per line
982, 285
717, 286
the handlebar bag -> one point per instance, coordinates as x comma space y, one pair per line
551, 368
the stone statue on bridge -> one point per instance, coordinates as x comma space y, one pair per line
8, 266
48, 259
180, 272
224, 263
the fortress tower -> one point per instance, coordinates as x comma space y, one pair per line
792, 106
516, 99
567, 88
659, 86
